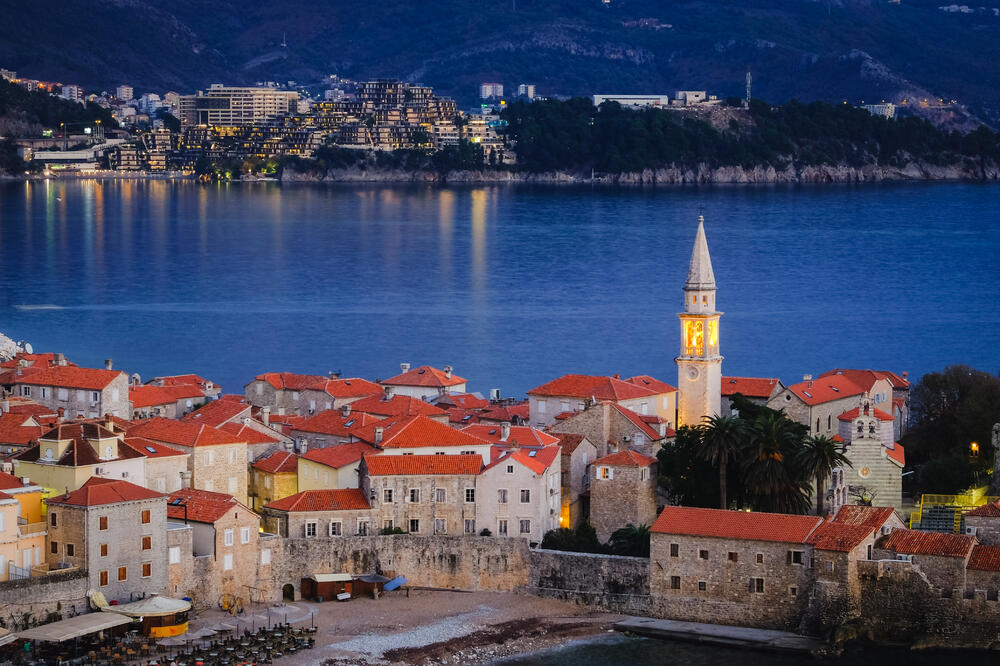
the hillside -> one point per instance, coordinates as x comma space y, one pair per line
833, 50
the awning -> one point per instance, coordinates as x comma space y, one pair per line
154, 606
74, 627
6, 637
332, 577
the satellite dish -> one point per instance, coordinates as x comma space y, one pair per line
28, 349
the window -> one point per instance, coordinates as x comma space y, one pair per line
675, 582
227, 537
267, 481
541, 405
827, 421
122, 573
605, 473
265, 556
54, 547
209, 457
102, 523
64, 394
387, 524
793, 591
525, 496
414, 495
733, 557
829, 565
470, 494
440, 526
674, 548
335, 528
525, 526
227, 562
387, 496
26, 391
794, 557
326, 477
702, 554
756, 586
362, 527
244, 535
104, 578
310, 529
147, 542
232, 485
439, 495
702, 586
147, 569
104, 550
510, 469
174, 555
502, 496
470, 526
52, 519
502, 527
145, 516
95, 396
232, 456
414, 525
760, 558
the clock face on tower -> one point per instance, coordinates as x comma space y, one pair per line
693, 373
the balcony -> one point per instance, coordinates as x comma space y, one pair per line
30, 529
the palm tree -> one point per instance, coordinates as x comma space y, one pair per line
817, 458
630, 540
722, 438
771, 476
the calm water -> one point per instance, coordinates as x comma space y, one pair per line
511, 286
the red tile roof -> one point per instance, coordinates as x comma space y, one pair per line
852, 414
333, 422
927, 543
417, 431
391, 465
217, 412
464, 401
897, 453
352, 387
991, 510
639, 422
840, 537
751, 387
149, 396
244, 433
536, 459
291, 381
151, 449
79, 452
985, 558
867, 378
340, 455
507, 413
424, 375
651, 383
751, 526
460, 416
181, 433
628, 458
597, 386
182, 380
9, 481
825, 389
397, 405
871, 517
34, 360
68, 376
279, 462
18, 429
569, 443
348, 499
523, 435
201, 506
98, 491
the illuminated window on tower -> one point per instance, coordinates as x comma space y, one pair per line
694, 337
713, 335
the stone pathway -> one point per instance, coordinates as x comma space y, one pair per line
717, 634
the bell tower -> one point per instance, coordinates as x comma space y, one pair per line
699, 366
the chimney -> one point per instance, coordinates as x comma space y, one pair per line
60, 415
378, 434
905, 375
447, 371
405, 367
807, 378
109, 422
504, 431
663, 429
60, 359
334, 375
616, 376
345, 410
303, 445
265, 415
389, 390
108, 362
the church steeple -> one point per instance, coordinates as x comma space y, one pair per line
699, 366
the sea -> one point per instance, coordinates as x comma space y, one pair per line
511, 285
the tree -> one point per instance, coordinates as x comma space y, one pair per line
581, 540
722, 437
685, 476
772, 479
630, 540
817, 458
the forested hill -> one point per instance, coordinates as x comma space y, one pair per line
830, 50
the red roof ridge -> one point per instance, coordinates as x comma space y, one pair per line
422, 465
342, 499
746, 525
627, 458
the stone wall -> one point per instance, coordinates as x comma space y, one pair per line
59, 592
987, 529
610, 582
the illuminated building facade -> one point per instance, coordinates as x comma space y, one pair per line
235, 107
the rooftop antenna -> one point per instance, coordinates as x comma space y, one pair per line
749, 81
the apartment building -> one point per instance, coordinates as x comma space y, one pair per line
235, 106
86, 392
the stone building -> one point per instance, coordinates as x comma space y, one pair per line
421, 435
984, 524
217, 460
164, 467
612, 428
562, 397
425, 381
895, 401
622, 492
333, 467
423, 494
390, 405
816, 403
758, 390
116, 531
224, 543
317, 513
86, 392
273, 477
330, 428
519, 494
577, 454
699, 365
334, 393
208, 388
876, 460
281, 392
942, 558
170, 402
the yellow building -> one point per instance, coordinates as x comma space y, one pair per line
273, 477
22, 529
332, 468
